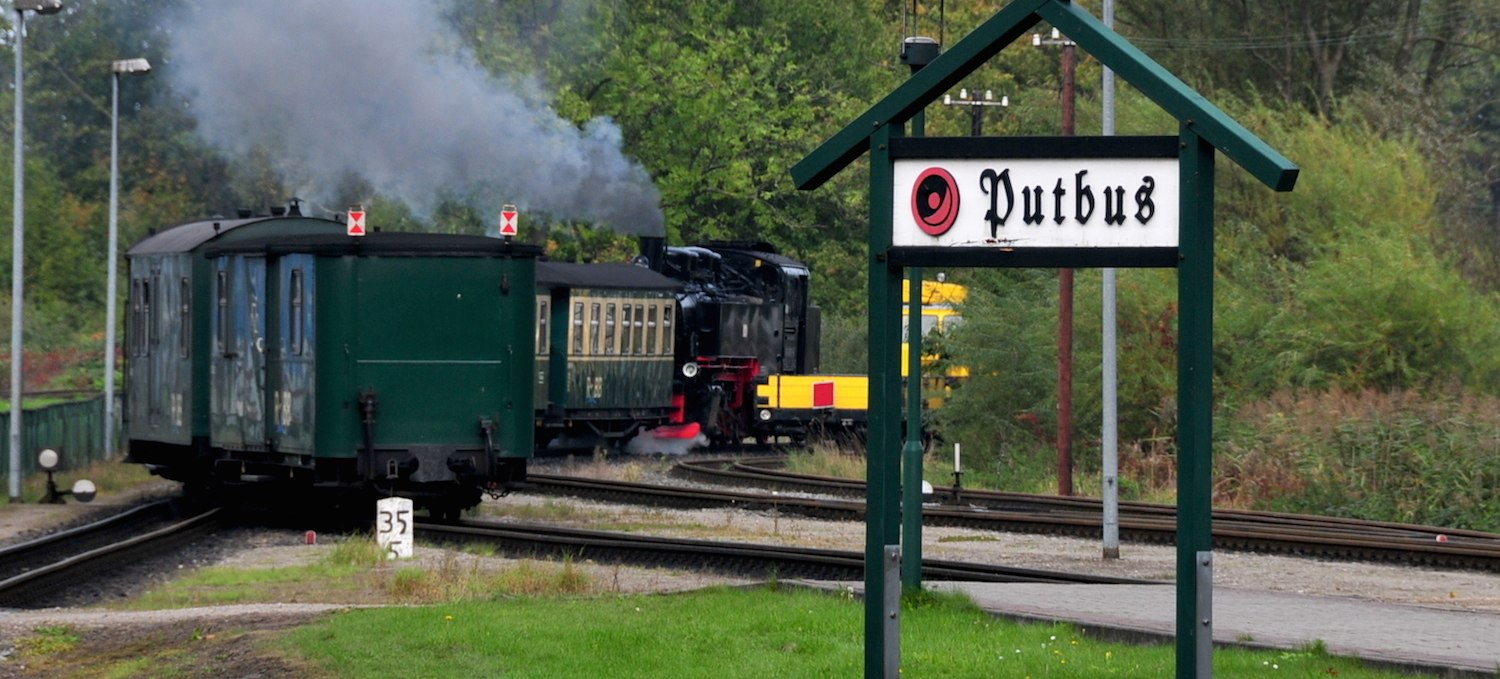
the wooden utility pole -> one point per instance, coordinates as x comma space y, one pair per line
1064, 295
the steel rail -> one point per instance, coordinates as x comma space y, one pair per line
766, 469
36, 584
759, 560
1233, 529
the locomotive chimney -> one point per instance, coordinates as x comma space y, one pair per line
654, 250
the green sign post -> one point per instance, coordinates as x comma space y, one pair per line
1017, 210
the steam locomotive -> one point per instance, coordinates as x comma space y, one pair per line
279, 354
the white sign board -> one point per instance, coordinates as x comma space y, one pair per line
394, 531
1036, 203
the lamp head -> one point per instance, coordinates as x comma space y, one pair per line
131, 66
39, 6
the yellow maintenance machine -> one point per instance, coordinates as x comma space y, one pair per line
840, 403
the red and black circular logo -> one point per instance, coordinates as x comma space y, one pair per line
934, 201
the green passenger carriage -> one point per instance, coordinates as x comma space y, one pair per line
282, 353
605, 352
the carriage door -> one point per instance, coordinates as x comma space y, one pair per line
291, 359
239, 362
142, 331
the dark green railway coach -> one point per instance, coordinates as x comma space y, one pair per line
310, 360
604, 361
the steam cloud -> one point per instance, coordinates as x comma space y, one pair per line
378, 89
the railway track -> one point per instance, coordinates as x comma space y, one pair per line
31, 572
749, 560
1325, 537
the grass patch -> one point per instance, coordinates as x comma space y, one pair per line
455, 579
354, 571
737, 633
829, 459
325, 582
549, 510
969, 538
48, 640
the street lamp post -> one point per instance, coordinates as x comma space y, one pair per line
18, 233
118, 68
1064, 294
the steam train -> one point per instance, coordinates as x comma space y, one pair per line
279, 354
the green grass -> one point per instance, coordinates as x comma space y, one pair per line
48, 640
721, 633
354, 571
217, 585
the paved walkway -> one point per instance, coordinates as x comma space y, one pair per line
1409, 637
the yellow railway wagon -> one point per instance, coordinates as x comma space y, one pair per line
795, 405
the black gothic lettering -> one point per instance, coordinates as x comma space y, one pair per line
989, 183
1114, 205
1057, 196
1085, 195
1031, 205
1145, 208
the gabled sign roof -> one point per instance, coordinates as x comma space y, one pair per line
1012, 21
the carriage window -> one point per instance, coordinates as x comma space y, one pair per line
577, 328
594, 328
666, 329
609, 328
147, 320
296, 313
223, 285
184, 312
651, 330
133, 328
626, 348
640, 327
541, 329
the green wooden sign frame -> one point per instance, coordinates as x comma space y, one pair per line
1203, 130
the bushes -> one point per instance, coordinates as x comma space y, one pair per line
1430, 457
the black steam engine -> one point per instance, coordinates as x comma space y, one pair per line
744, 314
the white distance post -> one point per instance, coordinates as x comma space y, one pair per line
394, 531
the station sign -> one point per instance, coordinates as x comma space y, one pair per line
1027, 201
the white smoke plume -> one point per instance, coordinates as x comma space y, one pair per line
378, 89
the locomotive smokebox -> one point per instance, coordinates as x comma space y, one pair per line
653, 252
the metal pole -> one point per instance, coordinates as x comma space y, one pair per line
138, 66
109, 299
911, 452
917, 52
882, 456
17, 272
1195, 331
1111, 429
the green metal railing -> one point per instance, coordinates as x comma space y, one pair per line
75, 430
